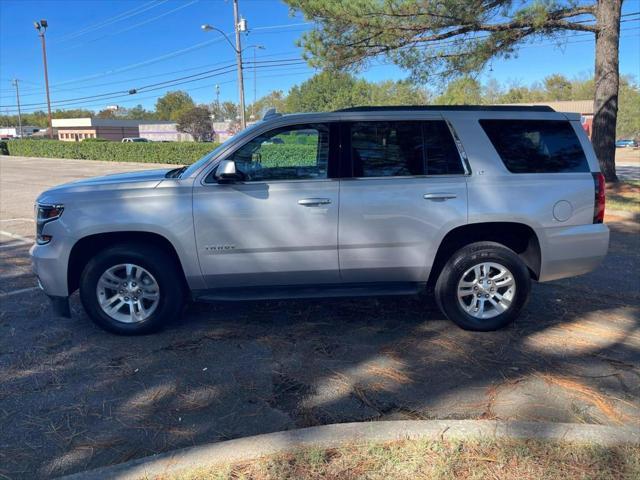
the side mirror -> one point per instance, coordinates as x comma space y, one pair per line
227, 173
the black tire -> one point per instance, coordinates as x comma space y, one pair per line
153, 259
446, 290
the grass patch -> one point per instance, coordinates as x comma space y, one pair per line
624, 195
421, 459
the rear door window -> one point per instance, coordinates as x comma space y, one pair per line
536, 146
402, 149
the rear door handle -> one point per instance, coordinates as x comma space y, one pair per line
439, 196
314, 202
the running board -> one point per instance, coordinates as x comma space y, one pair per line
306, 291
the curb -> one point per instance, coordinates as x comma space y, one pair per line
336, 435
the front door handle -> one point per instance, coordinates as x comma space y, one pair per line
314, 202
439, 196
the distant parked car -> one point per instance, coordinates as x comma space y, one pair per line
134, 139
626, 143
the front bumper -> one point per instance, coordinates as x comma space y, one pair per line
571, 251
49, 263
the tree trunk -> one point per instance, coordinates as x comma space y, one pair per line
607, 81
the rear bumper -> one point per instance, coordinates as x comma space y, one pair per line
571, 251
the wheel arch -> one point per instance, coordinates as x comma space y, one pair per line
87, 247
519, 237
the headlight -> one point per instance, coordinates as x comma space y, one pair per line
44, 215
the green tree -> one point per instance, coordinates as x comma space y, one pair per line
275, 99
225, 112
582, 89
492, 92
629, 114
389, 92
139, 113
173, 104
457, 37
325, 91
106, 113
462, 91
197, 122
557, 87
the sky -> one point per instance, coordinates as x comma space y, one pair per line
108, 47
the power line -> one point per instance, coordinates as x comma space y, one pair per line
172, 82
166, 56
131, 80
193, 89
135, 25
160, 85
109, 21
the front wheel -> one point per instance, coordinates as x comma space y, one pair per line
483, 286
132, 289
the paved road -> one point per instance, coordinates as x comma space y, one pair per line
74, 397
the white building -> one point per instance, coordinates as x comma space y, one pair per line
161, 131
14, 132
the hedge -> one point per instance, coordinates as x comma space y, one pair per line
180, 153
288, 155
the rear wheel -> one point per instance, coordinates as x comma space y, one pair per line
132, 289
483, 286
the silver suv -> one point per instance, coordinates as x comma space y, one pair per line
473, 202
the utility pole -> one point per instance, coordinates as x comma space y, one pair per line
15, 84
255, 85
255, 79
239, 25
41, 27
218, 98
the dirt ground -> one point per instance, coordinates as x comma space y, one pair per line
74, 397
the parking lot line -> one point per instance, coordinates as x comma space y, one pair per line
20, 238
18, 292
20, 219
17, 243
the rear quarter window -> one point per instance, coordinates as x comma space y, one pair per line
536, 146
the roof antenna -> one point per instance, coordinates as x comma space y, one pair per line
271, 113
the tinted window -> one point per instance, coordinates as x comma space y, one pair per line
288, 153
396, 149
536, 146
387, 149
442, 154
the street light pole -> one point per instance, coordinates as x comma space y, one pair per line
15, 84
41, 27
240, 25
236, 25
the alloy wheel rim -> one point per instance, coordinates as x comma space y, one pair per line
486, 290
128, 293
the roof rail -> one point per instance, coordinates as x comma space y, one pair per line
270, 114
461, 108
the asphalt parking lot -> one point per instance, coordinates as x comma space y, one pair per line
74, 397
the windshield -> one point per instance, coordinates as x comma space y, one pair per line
204, 160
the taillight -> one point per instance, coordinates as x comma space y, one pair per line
599, 200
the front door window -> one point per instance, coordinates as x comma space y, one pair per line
298, 152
